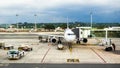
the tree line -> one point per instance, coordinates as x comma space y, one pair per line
63, 25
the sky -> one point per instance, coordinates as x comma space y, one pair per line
52, 11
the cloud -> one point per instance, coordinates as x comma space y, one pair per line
46, 4
47, 9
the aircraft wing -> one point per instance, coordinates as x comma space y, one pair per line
52, 37
57, 36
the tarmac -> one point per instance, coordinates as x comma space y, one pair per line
48, 53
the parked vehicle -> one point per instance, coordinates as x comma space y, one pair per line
25, 47
15, 54
8, 47
2, 44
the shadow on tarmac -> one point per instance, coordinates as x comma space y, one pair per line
116, 52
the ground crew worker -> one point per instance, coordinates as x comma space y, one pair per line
114, 47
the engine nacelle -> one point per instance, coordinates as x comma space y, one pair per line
53, 40
85, 40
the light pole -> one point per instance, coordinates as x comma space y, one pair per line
35, 22
91, 23
6, 26
67, 23
17, 22
91, 19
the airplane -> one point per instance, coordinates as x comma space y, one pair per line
69, 37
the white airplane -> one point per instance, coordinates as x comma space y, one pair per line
68, 37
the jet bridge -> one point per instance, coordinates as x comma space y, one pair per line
82, 32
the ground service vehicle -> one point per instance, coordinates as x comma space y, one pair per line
8, 47
25, 48
15, 54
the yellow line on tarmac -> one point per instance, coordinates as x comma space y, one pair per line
70, 49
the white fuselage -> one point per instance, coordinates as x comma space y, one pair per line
69, 35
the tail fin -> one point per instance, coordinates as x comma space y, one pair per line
67, 23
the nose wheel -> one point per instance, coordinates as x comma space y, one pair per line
78, 41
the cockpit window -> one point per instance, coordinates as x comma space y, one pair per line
71, 34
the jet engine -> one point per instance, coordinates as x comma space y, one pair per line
53, 40
85, 40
